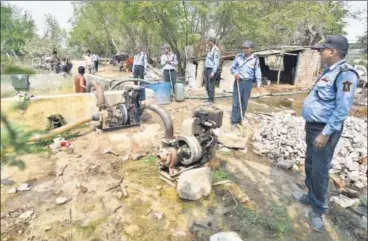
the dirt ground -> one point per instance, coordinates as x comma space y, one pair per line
257, 203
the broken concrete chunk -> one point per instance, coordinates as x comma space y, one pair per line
26, 214
285, 164
353, 176
47, 228
195, 184
24, 187
344, 201
225, 236
158, 215
61, 200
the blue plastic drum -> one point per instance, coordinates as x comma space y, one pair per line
162, 92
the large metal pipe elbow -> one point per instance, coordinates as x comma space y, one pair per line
165, 117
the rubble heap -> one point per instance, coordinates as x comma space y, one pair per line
281, 137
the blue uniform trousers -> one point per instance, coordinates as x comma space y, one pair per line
245, 89
317, 166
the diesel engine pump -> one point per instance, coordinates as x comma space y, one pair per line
195, 146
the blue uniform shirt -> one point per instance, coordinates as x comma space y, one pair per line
140, 59
213, 59
326, 105
247, 68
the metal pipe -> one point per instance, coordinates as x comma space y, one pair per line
63, 129
165, 117
101, 102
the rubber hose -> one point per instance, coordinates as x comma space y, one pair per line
62, 129
128, 80
252, 97
165, 117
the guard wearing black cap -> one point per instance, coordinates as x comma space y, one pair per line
247, 71
211, 69
325, 109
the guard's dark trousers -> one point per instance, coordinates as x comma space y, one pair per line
210, 84
317, 166
170, 74
245, 89
138, 73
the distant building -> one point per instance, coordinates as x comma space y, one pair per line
297, 65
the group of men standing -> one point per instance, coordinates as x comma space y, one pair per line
324, 110
245, 68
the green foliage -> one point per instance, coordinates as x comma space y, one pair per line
109, 27
17, 27
14, 142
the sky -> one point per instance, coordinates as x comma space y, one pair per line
63, 11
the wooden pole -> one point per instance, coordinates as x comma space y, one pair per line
280, 66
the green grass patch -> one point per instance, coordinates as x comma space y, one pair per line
10, 68
89, 229
149, 160
273, 221
220, 175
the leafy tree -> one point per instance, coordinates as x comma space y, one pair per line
17, 27
116, 26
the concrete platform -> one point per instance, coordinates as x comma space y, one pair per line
70, 106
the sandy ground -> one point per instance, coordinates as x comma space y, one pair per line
92, 182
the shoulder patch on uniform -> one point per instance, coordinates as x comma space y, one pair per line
346, 86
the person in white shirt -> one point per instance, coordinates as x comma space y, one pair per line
169, 62
89, 62
139, 64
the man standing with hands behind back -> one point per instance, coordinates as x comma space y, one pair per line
325, 110
246, 70
211, 67
139, 64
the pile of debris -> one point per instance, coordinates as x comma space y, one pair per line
281, 137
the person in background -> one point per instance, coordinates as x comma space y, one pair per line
55, 62
325, 110
96, 61
246, 70
69, 66
89, 64
211, 68
80, 82
139, 64
169, 62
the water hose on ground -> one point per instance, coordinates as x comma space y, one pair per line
63, 129
252, 97
115, 83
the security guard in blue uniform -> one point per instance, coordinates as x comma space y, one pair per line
211, 69
247, 71
140, 64
325, 109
